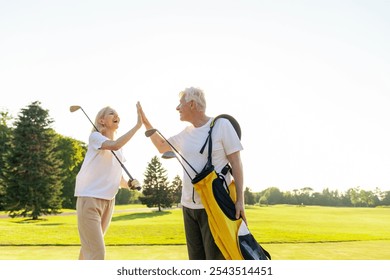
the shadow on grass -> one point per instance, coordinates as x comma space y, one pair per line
39, 222
51, 224
28, 221
144, 215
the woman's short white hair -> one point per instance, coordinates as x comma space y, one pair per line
195, 94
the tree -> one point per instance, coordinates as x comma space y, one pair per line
290, 197
272, 196
156, 191
386, 198
354, 196
5, 144
71, 153
263, 200
367, 198
122, 197
126, 196
326, 198
177, 186
33, 173
249, 197
304, 196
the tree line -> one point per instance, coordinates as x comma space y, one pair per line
38, 169
353, 197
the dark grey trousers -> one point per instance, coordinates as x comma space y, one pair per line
200, 241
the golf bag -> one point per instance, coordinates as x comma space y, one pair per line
231, 235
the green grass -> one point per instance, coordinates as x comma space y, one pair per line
163, 252
292, 224
355, 250
287, 232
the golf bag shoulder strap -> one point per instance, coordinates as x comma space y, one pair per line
232, 120
237, 128
209, 166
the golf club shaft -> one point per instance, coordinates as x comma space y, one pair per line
185, 170
120, 162
181, 163
89, 119
173, 147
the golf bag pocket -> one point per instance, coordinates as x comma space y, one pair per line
222, 196
249, 247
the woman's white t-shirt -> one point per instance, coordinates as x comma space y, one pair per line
100, 173
189, 143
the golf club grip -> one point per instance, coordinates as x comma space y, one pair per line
135, 187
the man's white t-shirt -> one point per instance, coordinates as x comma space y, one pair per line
100, 173
189, 143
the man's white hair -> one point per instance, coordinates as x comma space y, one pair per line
196, 94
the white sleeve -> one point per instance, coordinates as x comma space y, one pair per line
96, 139
230, 139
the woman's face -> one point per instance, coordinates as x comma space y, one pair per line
111, 120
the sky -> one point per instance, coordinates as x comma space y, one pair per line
308, 81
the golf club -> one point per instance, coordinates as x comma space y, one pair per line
151, 131
169, 155
132, 183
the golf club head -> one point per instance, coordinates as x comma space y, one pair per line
74, 108
168, 155
150, 132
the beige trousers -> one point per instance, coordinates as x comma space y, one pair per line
93, 218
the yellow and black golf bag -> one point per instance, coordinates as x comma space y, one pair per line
231, 235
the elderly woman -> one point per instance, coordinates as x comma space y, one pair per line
226, 149
98, 182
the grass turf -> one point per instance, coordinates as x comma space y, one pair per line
287, 232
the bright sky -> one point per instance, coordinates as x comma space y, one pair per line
307, 80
